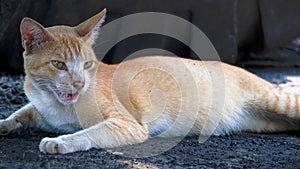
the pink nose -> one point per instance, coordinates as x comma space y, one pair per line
78, 85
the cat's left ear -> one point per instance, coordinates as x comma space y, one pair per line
33, 34
89, 29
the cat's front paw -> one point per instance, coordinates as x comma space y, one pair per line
3, 130
5, 127
54, 146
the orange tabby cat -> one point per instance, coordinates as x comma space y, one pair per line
104, 106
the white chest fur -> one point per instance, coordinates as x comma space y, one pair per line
55, 117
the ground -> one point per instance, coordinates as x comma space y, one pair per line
244, 150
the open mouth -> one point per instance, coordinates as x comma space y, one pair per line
66, 96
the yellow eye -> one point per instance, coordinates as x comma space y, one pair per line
88, 64
59, 65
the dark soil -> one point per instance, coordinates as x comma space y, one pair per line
244, 150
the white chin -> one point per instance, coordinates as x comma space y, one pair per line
67, 102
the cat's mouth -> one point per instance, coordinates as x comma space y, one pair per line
66, 97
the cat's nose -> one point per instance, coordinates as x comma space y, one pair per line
78, 85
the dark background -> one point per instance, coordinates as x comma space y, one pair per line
244, 32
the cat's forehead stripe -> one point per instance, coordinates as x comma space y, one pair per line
73, 48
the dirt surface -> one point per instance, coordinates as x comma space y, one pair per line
245, 150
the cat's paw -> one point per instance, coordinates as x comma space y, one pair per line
54, 146
3, 130
5, 127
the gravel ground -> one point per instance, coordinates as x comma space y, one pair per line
244, 150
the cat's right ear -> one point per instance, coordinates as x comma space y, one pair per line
89, 29
33, 34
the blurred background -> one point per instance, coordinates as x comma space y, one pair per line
261, 33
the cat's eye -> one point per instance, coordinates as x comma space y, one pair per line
88, 64
59, 65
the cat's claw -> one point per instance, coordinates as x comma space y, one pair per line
54, 146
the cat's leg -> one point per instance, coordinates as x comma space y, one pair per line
108, 134
22, 118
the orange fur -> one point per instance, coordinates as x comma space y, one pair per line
104, 106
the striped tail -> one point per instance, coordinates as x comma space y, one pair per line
279, 109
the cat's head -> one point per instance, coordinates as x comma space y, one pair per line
60, 60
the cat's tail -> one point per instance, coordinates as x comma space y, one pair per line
280, 102
279, 109
262, 106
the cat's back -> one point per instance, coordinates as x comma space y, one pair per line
177, 65
161, 70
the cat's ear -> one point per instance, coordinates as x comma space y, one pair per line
89, 29
33, 34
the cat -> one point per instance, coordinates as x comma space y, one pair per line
98, 105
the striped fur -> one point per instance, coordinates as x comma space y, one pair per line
127, 103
